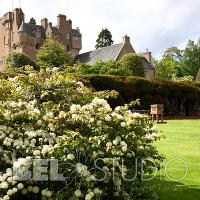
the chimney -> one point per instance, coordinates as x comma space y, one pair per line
148, 56
44, 23
126, 39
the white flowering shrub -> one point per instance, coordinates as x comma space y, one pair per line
99, 151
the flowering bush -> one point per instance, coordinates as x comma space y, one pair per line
47, 119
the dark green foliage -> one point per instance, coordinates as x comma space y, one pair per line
190, 63
109, 67
133, 63
104, 39
32, 21
169, 66
16, 61
179, 63
52, 54
166, 68
198, 77
179, 98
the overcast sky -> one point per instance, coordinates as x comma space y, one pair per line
152, 24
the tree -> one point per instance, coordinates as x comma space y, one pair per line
166, 68
32, 21
190, 63
198, 77
169, 66
15, 60
52, 54
133, 62
104, 39
179, 63
173, 53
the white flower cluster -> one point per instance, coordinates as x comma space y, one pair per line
47, 193
7, 181
83, 171
151, 137
15, 109
91, 193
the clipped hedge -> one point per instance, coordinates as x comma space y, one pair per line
179, 98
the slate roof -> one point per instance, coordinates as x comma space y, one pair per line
76, 33
103, 54
32, 29
147, 64
55, 29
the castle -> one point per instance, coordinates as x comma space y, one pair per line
16, 35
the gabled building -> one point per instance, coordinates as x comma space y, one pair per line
116, 52
16, 35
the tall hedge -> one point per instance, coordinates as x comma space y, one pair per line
179, 98
133, 62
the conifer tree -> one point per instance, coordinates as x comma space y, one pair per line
32, 21
104, 39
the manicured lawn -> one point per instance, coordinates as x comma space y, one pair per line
183, 142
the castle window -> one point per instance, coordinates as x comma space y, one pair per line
67, 47
4, 41
37, 46
14, 46
68, 36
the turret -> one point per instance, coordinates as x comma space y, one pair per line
64, 25
61, 20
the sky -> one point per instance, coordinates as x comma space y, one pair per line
151, 24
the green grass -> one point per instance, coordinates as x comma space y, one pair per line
182, 141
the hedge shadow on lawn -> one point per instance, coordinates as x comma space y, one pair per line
171, 190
